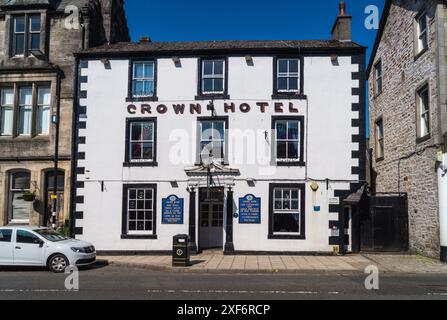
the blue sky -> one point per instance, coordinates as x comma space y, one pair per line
189, 20
195, 20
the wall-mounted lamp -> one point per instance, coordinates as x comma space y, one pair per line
251, 182
174, 184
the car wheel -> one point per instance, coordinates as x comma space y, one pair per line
58, 263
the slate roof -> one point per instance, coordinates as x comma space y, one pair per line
54, 4
218, 46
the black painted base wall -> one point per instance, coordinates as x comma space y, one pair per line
444, 254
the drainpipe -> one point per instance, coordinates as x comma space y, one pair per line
442, 186
56, 121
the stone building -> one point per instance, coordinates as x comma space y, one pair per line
37, 68
407, 103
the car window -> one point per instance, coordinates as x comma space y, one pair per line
26, 237
5, 235
51, 235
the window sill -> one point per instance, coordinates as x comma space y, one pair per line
423, 139
141, 99
44, 138
286, 237
291, 164
140, 164
420, 54
288, 96
138, 237
377, 95
204, 96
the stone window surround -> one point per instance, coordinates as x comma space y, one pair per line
35, 84
379, 157
376, 90
9, 29
417, 52
10, 191
422, 87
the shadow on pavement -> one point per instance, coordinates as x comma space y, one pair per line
99, 264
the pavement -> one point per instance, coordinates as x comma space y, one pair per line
102, 282
216, 262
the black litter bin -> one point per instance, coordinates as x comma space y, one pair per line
180, 251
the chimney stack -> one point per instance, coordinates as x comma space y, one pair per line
342, 27
145, 40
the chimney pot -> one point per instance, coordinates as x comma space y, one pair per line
342, 8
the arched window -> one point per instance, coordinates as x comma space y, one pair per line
18, 208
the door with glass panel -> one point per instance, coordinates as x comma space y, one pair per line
49, 191
19, 209
211, 218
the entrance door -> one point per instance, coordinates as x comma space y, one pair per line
49, 191
211, 204
386, 227
348, 227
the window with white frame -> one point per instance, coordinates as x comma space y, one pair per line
212, 138
378, 78
25, 110
29, 114
140, 208
288, 75
423, 112
43, 110
7, 111
213, 76
26, 34
288, 136
380, 147
421, 33
143, 75
287, 211
141, 142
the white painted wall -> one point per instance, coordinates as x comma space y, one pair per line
328, 147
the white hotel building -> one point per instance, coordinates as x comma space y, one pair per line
247, 146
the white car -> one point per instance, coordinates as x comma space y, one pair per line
38, 246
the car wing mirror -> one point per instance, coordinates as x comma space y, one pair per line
40, 243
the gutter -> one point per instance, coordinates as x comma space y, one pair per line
124, 52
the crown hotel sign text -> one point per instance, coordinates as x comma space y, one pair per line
196, 108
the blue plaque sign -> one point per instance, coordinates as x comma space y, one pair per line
172, 210
250, 210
